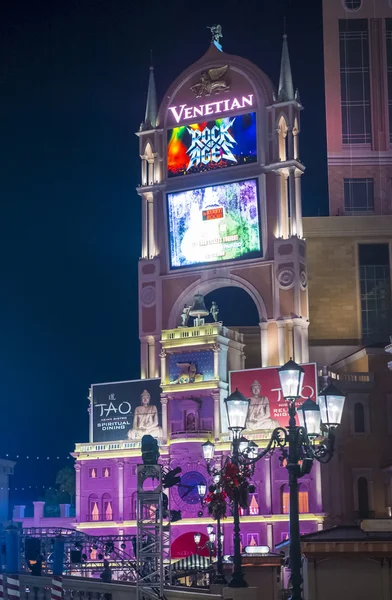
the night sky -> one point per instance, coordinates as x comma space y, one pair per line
73, 89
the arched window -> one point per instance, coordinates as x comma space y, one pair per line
93, 508
107, 508
282, 134
285, 499
150, 164
253, 504
363, 497
303, 499
359, 418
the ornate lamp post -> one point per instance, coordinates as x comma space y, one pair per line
298, 447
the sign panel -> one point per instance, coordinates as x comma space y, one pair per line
127, 410
213, 224
191, 367
212, 145
268, 408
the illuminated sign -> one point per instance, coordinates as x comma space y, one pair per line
185, 112
212, 145
215, 223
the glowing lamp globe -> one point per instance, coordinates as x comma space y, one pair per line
208, 450
210, 529
237, 407
212, 537
291, 378
197, 538
331, 404
201, 489
310, 417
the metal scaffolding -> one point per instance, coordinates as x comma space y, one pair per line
153, 536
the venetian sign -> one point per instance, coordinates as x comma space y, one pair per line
183, 112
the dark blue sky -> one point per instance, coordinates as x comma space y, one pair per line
73, 87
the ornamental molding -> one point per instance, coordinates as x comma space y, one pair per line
303, 279
148, 295
286, 278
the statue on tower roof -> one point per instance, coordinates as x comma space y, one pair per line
216, 34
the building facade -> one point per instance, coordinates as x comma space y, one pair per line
221, 208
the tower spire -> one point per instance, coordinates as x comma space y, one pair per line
286, 88
150, 118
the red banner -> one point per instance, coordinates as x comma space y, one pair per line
268, 408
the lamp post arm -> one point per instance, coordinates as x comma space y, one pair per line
322, 452
278, 439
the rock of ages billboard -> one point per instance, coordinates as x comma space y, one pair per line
126, 410
268, 408
217, 144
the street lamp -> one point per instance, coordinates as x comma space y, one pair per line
297, 445
208, 451
201, 489
219, 578
197, 538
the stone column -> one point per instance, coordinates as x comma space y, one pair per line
281, 340
267, 486
297, 323
78, 467
292, 199
144, 358
144, 227
39, 507
284, 207
162, 356
298, 203
216, 397
19, 511
120, 467
151, 236
264, 342
290, 338
216, 349
305, 341
151, 357
270, 536
279, 232
144, 171
164, 401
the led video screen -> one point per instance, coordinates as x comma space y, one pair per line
215, 223
212, 145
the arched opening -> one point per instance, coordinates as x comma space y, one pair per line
148, 153
359, 418
282, 137
363, 497
303, 499
93, 508
238, 311
107, 507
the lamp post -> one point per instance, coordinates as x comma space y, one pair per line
218, 578
297, 445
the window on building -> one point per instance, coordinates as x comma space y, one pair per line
253, 505
303, 499
93, 510
375, 286
92, 473
355, 81
363, 497
107, 507
106, 472
252, 539
359, 418
358, 196
388, 27
352, 4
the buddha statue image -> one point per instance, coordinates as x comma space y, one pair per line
259, 411
145, 419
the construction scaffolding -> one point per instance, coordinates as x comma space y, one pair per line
153, 534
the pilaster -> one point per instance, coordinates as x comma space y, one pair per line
164, 402
264, 342
120, 470
77, 491
216, 397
